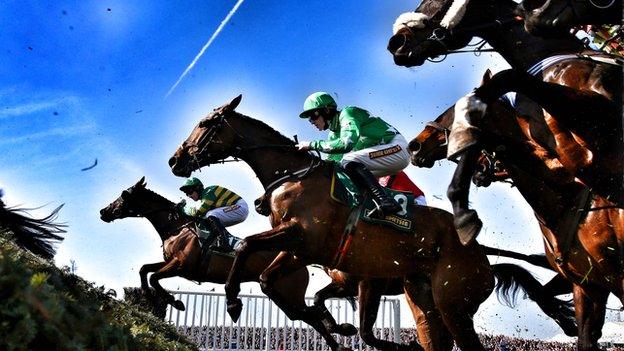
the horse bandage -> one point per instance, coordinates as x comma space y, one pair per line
385, 152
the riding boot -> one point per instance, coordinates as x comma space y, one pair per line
221, 242
364, 179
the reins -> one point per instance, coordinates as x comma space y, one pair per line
439, 34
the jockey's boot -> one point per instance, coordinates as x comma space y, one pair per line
221, 242
364, 179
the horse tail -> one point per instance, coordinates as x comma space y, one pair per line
536, 260
35, 235
353, 301
511, 278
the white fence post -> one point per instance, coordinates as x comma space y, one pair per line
207, 324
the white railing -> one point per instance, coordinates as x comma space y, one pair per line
262, 326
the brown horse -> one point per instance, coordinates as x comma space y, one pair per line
182, 257
444, 279
37, 235
552, 17
582, 126
595, 262
510, 279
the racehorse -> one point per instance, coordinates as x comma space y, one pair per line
182, 258
446, 280
596, 255
582, 126
37, 235
510, 278
551, 17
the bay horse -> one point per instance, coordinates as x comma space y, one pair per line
446, 280
581, 126
182, 258
510, 279
595, 262
37, 235
552, 17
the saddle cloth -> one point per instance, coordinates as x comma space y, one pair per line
345, 192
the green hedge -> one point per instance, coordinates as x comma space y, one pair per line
43, 307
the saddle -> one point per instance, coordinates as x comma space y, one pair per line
345, 192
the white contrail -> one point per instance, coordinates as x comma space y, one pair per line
201, 52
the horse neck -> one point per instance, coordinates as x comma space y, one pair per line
269, 163
521, 49
158, 214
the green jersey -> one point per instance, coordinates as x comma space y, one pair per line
212, 197
353, 129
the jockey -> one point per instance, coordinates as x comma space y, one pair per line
365, 146
219, 208
402, 182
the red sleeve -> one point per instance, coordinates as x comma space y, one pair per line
403, 183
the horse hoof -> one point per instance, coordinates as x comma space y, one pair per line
343, 348
234, 309
177, 304
468, 226
346, 329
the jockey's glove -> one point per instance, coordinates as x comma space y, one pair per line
303, 146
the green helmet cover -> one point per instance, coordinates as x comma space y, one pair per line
191, 183
315, 101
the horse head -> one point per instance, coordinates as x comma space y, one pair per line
438, 27
430, 145
125, 205
213, 139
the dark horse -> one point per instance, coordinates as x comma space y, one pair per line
448, 281
582, 126
510, 279
182, 257
595, 260
551, 17
36, 235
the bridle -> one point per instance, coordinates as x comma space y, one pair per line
440, 34
210, 138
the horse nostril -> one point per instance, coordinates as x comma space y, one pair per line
414, 147
172, 161
396, 42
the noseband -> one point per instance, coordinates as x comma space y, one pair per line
440, 128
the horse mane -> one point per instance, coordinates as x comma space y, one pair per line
36, 235
157, 196
258, 123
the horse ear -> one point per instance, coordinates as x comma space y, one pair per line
232, 105
141, 183
487, 76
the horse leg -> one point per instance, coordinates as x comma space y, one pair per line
147, 268
277, 284
286, 236
590, 315
432, 333
171, 269
333, 290
466, 221
369, 295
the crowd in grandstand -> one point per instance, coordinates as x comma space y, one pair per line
249, 338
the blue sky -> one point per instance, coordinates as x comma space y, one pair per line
85, 80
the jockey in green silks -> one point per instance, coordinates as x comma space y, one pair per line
365, 146
219, 208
